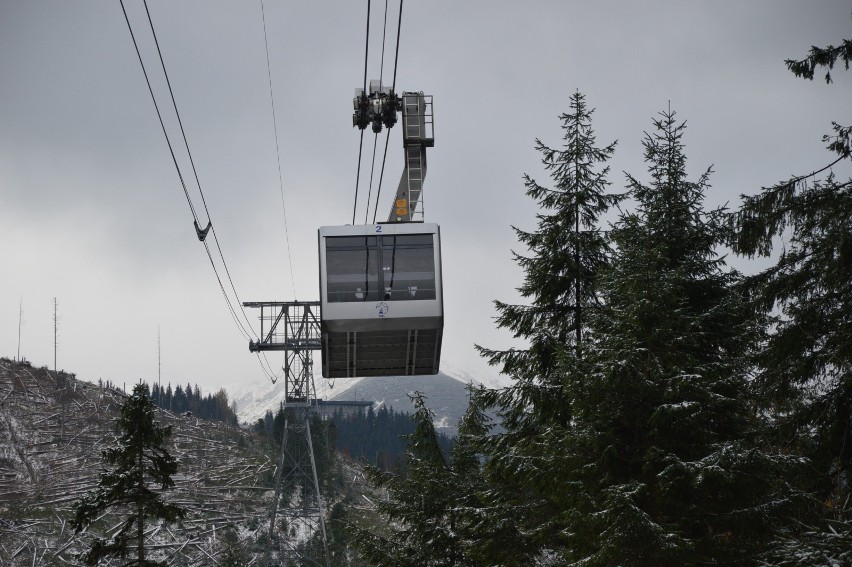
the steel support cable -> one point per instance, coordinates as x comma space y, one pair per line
375, 141
372, 169
364, 93
384, 34
233, 288
277, 149
357, 177
269, 373
393, 90
396, 56
159, 115
174, 159
381, 176
239, 323
180, 174
195, 173
185, 191
267, 370
264, 368
174, 105
248, 335
367, 46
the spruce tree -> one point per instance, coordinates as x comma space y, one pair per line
431, 507
472, 522
567, 252
805, 371
141, 467
667, 469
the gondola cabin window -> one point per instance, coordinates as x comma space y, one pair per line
388, 267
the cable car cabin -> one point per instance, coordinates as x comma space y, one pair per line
380, 293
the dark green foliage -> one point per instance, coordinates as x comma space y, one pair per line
140, 463
481, 531
377, 437
824, 57
324, 442
567, 251
669, 469
431, 510
215, 407
639, 443
338, 540
805, 370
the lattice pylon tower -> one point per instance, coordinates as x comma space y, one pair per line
297, 523
297, 535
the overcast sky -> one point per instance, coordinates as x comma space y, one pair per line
92, 211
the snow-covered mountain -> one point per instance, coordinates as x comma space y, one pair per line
445, 392
255, 399
446, 396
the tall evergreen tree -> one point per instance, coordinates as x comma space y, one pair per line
667, 469
567, 252
806, 367
140, 461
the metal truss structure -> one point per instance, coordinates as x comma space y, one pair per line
297, 523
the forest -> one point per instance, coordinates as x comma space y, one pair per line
666, 409
374, 436
215, 407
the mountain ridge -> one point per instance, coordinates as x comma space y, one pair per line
446, 395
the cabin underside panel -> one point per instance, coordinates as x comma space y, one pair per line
381, 353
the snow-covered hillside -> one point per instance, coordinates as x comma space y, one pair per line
53, 428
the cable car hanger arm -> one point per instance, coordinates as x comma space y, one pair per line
378, 108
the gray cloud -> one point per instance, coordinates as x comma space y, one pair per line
91, 210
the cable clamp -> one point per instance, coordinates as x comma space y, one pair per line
202, 233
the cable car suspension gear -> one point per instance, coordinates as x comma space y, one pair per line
379, 108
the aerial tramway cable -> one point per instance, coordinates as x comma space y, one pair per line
180, 122
273, 377
201, 233
159, 115
396, 55
376, 139
372, 168
357, 177
381, 177
361, 144
277, 150
393, 90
